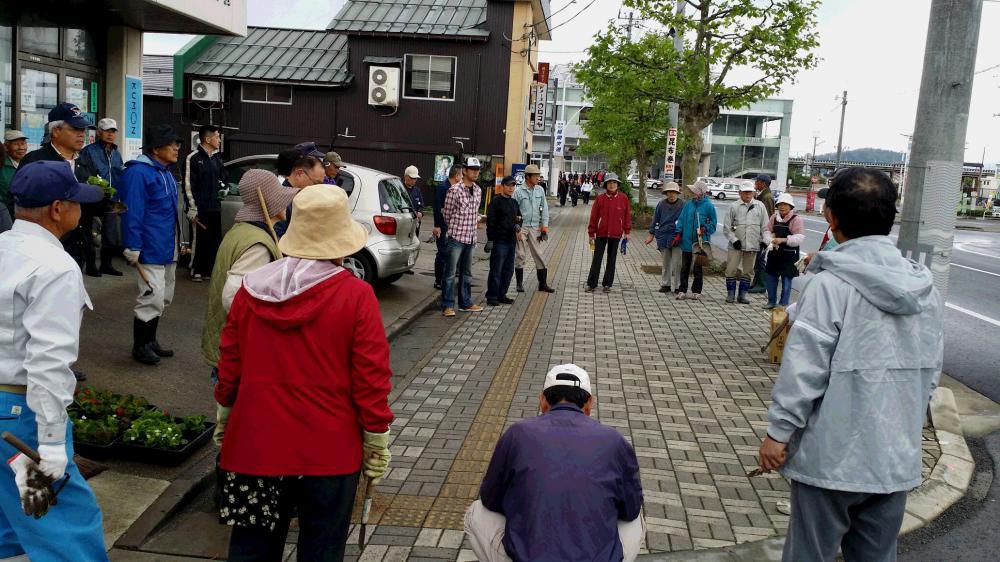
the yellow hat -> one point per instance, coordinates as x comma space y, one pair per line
322, 227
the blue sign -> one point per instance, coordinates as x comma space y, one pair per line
517, 170
133, 117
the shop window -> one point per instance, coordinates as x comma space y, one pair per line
267, 93
430, 77
41, 40
80, 46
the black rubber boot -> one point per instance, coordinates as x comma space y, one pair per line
141, 351
155, 345
542, 285
519, 275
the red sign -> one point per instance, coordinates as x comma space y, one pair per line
543, 73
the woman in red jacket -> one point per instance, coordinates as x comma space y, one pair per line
304, 364
610, 221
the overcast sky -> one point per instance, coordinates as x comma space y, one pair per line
872, 49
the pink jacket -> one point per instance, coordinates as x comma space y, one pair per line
797, 227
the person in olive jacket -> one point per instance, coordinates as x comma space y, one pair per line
610, 222
503, 229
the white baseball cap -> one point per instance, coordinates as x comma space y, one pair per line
473, 163
747, 187
411, 172
107, 124
571, 375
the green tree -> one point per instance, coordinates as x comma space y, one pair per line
625, 122
736, 52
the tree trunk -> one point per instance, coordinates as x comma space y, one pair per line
694, 118
642, 160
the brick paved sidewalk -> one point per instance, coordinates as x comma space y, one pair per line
684, 381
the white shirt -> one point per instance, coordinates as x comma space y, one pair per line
41, 307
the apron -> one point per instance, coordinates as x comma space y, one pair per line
781, 261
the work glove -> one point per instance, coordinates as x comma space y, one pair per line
677, 240
54, 460
544, 236
737, 244
221, 420
131, 256
192, 214
488, 247
376, 455
33, 486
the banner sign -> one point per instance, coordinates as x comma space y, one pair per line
543, 72
671, 156
539, 114
133, 118
560, 138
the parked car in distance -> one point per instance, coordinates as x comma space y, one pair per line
724, 190
651, 183
377, 200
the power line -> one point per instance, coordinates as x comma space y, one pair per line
987, 69
573, 17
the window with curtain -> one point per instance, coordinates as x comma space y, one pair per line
430, 77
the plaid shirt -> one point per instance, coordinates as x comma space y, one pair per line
461, 212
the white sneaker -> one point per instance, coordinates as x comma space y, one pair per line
695, 296
197, 278
681, 296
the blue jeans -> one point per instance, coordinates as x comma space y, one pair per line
459, 259
72, 529
771, 282
441, 257
501, 270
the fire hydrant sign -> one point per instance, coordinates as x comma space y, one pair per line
671, 157
133, 118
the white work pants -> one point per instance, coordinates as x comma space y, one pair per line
161, 280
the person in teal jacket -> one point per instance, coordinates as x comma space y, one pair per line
697, 217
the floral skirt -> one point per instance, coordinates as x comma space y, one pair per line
253, 501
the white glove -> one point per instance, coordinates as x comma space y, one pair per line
131, 256
33, 486
54, 460
192, 214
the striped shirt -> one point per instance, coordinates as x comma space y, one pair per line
461, 212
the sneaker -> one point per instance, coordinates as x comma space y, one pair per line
472, 308
769, 306
681, 296
196, 277
437, 286
449, 312
505, 300
589, 289
607, 289
694, 296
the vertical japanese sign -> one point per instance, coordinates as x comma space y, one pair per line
671, 157
543, 73
559, 144
93, 97
539, 113
133, 117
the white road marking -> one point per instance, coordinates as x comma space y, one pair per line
816, 231
976, 315
961, 248
976, 270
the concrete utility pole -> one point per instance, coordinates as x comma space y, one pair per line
840, 139
673, 108
934, 174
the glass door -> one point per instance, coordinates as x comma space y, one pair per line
39, 94
83, 92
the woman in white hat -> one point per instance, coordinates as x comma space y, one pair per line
787, 232
304, 365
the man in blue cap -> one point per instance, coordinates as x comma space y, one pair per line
150, 236
763, 187
67, 135
45, 290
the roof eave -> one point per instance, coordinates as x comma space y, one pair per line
429, 37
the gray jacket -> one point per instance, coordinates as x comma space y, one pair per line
747, 222
862, 358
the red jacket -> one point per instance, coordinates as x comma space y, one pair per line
611, 216
304, 377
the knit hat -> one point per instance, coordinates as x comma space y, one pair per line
323, 228
276, 196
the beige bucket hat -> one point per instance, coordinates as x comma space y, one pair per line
322, 227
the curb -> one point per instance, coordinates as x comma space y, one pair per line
182, 490
952, 474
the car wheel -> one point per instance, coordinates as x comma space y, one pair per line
362, 266
721, 195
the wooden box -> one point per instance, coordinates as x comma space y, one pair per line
779, 326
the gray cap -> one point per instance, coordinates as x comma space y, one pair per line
611, 176
13, 135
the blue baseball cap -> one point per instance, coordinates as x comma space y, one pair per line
764, 178
40, 183
70, 114
309, 149
509, 180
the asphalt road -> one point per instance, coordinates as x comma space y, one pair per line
972, 316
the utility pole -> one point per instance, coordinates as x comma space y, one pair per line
840, 139
673, 107
553, 170
934, 174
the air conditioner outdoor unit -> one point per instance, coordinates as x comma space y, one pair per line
206, 90
383, 86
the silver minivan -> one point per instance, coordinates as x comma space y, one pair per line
379, 201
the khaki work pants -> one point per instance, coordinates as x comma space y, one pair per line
530, 244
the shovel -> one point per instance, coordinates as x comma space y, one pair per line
366, 508
142, 275
32, 454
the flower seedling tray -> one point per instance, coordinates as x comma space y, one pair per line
94, 451
167, 457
